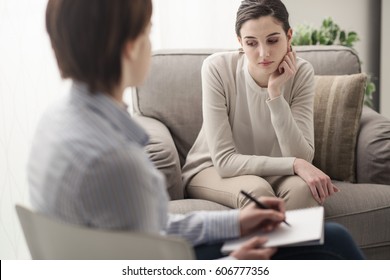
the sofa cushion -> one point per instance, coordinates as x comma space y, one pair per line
184, 206
162, 152
373, 153
338, 105
330, 60
172, 94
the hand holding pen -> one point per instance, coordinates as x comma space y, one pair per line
254, 219
259, 204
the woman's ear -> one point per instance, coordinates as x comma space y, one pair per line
289, 39
132, 48
239, 40
128, 50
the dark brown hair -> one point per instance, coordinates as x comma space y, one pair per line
253, 9
88, 37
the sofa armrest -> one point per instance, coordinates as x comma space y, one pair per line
373, 148
162, 152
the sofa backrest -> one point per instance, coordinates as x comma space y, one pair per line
172, 92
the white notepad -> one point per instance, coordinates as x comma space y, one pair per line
307, 228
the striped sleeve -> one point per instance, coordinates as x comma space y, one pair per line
205, 227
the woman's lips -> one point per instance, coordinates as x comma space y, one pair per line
265, 63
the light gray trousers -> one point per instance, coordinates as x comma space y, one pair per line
208, 185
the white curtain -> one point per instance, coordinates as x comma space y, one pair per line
29, 81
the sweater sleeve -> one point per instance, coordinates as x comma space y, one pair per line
293, 123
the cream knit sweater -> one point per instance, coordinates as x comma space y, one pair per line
243, 131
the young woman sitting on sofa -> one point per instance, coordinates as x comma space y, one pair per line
257, 118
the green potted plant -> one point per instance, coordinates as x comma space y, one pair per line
329, 33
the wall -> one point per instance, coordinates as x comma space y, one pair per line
210, 24
385, 60
30, 81
362, 16
194, 24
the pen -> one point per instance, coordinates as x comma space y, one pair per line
259, 204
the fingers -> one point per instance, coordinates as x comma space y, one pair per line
252, 218
324, 188
320, 184
286, 67
262, 254
282, 67
277, 204
252, 250
320, 191
269, 226
274, 203
272, 215
329, 188
314, 192
285, 70
254, 242
290, 59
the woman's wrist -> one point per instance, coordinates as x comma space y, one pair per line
296, 165
273, 93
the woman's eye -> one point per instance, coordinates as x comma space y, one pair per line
251, 43
272, 40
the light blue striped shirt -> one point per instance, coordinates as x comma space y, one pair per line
88, 166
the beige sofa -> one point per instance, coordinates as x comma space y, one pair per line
168, 106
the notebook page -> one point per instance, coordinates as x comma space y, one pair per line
307, 226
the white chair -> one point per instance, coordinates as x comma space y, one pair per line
48, 238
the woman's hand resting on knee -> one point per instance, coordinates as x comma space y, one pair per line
254, 219
319, 183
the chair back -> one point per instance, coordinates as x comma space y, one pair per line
48, 238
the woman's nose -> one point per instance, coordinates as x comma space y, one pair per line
263, 51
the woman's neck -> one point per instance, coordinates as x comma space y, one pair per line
260, 79
117, 93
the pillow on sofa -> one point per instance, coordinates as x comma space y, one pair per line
373, 148
162, 152
338, 105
